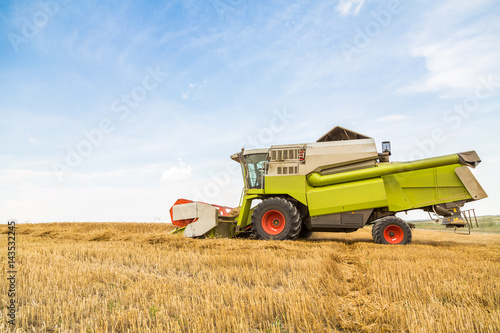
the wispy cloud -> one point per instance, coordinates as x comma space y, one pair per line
180, 172
349, 7
457, 51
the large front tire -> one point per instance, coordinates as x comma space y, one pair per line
276, 218
391, 230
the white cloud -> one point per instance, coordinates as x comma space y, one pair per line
183, 171
349, 7
456, 65
456, 57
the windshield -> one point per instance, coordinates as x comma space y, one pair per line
255, 165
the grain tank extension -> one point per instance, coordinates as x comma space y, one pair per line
338, 184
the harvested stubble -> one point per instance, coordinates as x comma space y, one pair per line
126, 277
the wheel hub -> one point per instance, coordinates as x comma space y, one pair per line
393, 234
273, 222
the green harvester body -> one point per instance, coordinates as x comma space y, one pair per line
341, 183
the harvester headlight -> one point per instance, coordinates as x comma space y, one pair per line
386, 147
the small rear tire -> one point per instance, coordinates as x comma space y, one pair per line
391, 230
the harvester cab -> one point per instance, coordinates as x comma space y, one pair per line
339, 183
253, 165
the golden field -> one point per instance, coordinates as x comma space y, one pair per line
136, 277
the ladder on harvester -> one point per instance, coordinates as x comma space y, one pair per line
469, 217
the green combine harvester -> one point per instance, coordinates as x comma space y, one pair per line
338, 184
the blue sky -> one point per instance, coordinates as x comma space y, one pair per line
109, 111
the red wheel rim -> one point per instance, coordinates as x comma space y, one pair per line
393, 234
273, 222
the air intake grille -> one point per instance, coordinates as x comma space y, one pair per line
288, 170
284, 155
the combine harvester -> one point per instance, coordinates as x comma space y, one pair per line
337, 184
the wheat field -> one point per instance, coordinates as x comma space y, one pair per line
136, 277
